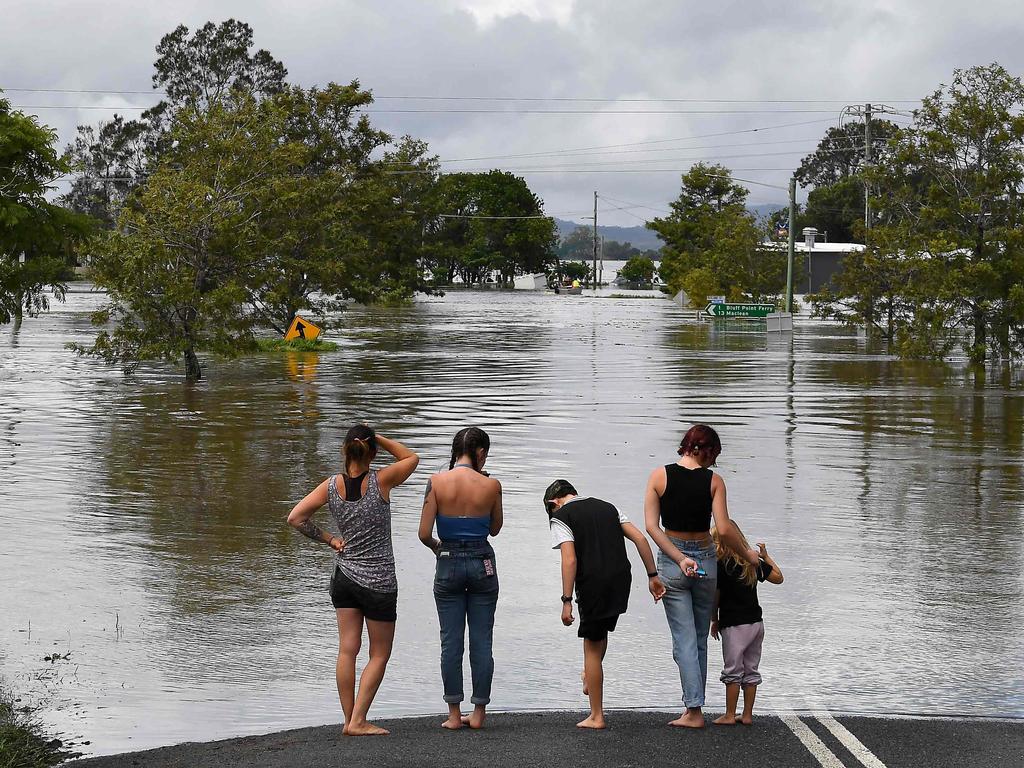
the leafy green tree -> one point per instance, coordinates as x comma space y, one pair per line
316, 235
613, 250
493, 223
840, 154
576, 270
194, 70
179, 265
578, 245
639, 269
951, 216
36, 236
713, 245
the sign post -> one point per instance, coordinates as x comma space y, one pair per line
739, 310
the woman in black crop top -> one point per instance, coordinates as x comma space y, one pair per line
680, 501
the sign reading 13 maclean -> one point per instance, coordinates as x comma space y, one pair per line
739, 310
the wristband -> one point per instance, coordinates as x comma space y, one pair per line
652, 574
566, 599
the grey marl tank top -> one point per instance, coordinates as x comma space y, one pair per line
368, 558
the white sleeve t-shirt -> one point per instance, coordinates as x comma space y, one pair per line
561, 533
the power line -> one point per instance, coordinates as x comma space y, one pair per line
570, 99
488, 111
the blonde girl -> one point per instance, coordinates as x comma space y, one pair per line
736, 618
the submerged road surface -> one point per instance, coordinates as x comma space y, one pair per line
634, 739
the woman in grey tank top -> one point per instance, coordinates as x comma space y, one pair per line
364, 587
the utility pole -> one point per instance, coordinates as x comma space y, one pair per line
867, 165
595, 241
792, 245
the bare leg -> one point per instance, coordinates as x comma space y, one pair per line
583, 677
593, 671
350, 637
693, 717
749, 693
732, 695
476, 720
382, 635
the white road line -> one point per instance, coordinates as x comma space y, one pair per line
848, 740
814, 745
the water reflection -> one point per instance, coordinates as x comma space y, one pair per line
891, 492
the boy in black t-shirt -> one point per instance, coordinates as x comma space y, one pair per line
591, 534
737, 619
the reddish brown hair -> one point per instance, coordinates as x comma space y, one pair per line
702, 442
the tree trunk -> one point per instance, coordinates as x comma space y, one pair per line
978, 351
193, 372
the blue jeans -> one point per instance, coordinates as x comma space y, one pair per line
466, 588
688, 605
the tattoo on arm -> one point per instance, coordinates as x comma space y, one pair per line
308, 528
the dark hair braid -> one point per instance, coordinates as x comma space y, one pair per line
469, 441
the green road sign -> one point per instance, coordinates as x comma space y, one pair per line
739, 310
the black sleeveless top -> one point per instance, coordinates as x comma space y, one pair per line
686, 503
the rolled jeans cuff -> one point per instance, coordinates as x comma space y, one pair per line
477, 702
728, 679
457, 699
754, 679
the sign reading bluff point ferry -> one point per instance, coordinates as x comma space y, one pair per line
739, 310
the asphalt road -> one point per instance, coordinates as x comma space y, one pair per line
635, 739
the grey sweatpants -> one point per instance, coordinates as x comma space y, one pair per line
741, 652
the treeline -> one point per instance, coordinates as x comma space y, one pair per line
943, 264
241, 199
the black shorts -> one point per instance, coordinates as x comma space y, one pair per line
376, 606
597, 629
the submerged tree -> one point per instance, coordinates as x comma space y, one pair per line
949, 239
180, 263
36, 237
713, 244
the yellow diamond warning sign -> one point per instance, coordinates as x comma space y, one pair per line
302, 329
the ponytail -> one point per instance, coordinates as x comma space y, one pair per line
360, 445
469, 441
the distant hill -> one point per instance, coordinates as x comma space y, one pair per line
643, 238
639, 237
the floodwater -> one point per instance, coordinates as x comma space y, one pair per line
143, 520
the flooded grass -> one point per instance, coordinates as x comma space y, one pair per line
23, 742
295, 345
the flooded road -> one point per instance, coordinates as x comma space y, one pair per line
143, 520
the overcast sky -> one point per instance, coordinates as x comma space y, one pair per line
838, 51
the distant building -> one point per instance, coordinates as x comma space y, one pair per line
822, 260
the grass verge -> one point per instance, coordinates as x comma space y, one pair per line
295, 345
23, 744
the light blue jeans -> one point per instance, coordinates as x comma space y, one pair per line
688, 605
466, 591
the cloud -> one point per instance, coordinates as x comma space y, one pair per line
833, 51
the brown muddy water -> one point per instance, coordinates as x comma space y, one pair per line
143, 520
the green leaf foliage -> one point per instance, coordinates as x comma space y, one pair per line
37, 237
713, 245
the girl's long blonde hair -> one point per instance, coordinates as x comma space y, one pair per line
748, 573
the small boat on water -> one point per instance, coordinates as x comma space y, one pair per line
569, 290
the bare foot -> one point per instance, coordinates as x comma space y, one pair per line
747, 719
726, 719
473, 721
364, 729
692, 718
593, 722
586, 688
453, 723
